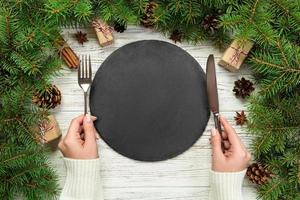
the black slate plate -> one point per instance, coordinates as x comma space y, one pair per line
150, 98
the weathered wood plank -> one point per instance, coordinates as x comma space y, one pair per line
184, 177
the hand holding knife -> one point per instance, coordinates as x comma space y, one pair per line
212, 92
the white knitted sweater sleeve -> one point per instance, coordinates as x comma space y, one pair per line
226, 186
83, 182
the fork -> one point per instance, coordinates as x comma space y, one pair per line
85, 77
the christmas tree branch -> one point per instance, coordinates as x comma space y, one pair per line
253, 11
13, 158
268, 64
257, 147
30, 169
286, 10
272, 188
26, 129
278, 44
231, 21
29, 29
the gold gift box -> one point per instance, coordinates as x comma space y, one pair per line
235, 55
103, 32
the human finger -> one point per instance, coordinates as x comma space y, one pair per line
61, 145
232, 136
89, 130
75, 126
216, 144
81, 131
226, 144
228, 153
224, 135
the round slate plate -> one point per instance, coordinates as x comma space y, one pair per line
150, 100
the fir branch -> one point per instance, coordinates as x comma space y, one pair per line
274, 122
278, 44
274, 119
264, 62
271, 189
13, 158
253, 11
286, 10
30, 169
231, 21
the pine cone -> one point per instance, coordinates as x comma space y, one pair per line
48, 98
176, 36
210, 23
243, 88
119, 27
81, 37
147, 20
258, 174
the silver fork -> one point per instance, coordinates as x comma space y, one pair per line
85, 77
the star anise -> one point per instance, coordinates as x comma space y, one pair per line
240, 118
81, 37
176, 36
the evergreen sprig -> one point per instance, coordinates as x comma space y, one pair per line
28, 62
29, 30
274, 111
278, 66
275, 127
24, 171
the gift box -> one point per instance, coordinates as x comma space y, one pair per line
104, 33
235, 55
49, 129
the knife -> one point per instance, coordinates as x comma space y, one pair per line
212, 93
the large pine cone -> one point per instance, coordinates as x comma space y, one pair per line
48, 98
258, 173
243, 88
147, 20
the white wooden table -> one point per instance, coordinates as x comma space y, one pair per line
184, 177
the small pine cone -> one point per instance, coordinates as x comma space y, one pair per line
147, 20
258, 174
119, 27
48, 98
210, 24
243, 88
176, 36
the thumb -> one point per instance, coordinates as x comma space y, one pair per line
89, 129
216, 144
